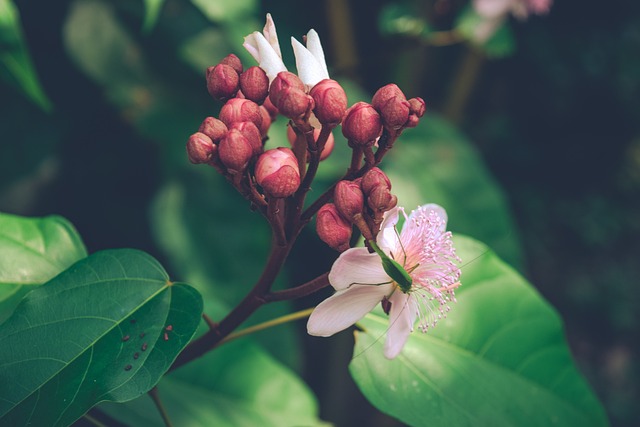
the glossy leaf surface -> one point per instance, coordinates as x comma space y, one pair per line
107, 328
500, 358
237, 385
32, 251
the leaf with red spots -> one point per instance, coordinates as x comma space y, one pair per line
70, 343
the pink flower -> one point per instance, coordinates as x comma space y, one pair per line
494, 12
423, 249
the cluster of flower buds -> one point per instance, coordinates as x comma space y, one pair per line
233, 142
361, 202
389, 112
276, 180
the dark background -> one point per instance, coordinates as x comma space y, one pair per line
557, 123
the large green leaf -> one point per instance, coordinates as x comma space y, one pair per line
32, 251
499, 359
15, 56
107, 328
434, 163
237, 385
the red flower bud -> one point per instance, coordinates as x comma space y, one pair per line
374, 178
266, 121
417, 106
235, 151
295, 103
380, 199
222, 81
251, 132
254, 84
234, 62
361, 124
240, 110
328, 146
277, 172
392, 106
273, 111
200, 148
331, 102
385, 93
332, 228
417, 110
284, 81
348, 198
213, 128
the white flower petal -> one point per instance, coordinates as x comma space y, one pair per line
357, 266
271, 35
251, 44
309, 69
269, 60
388, 237
401, 318
315, 47
344, 308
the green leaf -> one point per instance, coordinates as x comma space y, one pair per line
32, 251
152, 11
15, 57
499, 359
435, 163
107, 328
237, 385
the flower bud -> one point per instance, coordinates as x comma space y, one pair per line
284, 80
361, 124
348, 198
240, 110
200, 148
266, 121
294, 103
234, 62
213, 128
254, 84
235, 151
417, 108
332, 228
251, 132
374, 178
385, 93
277, 172
380, 199
330, 100
273, 111
222, 81
392, 106
328, 146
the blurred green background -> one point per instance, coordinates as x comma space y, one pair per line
532, 146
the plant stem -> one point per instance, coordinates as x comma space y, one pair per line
241, 312
268, 324
153, 393
305, 289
